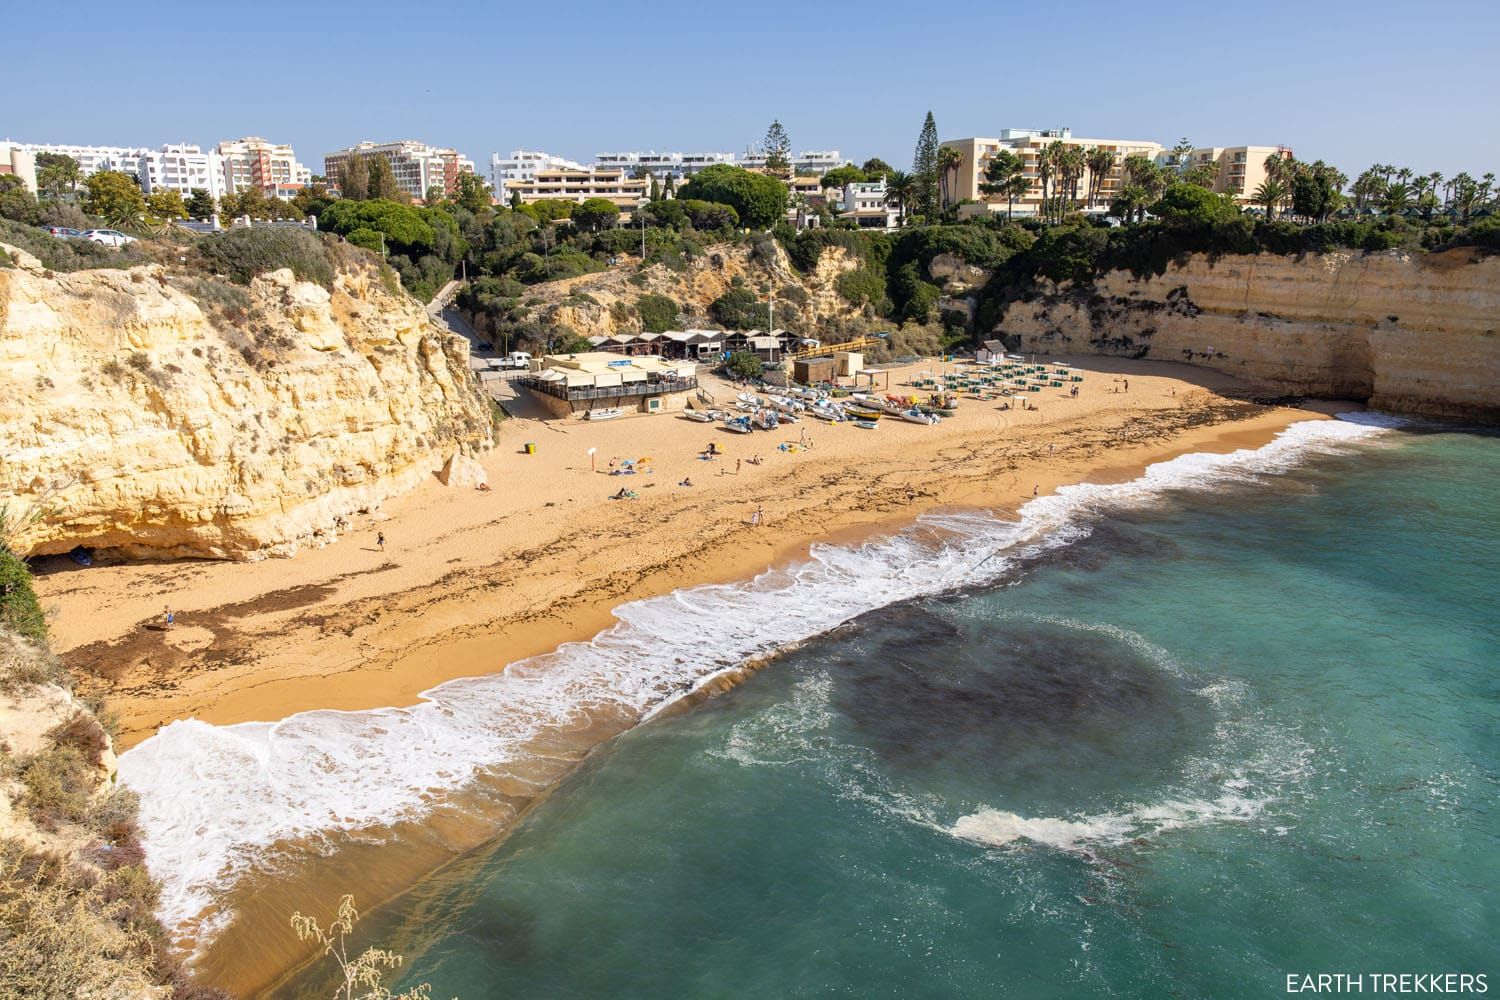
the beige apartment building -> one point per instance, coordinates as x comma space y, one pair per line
1028, 144
1241, 169
611, 183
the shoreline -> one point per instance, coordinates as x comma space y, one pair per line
348, 627
229, 963
271, 640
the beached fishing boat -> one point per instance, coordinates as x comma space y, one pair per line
916, 416
609, 413
698, 415
766, 420
830, 413
868, 425
863, 412
739, 425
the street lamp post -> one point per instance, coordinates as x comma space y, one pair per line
640, 211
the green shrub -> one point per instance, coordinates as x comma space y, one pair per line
243, 254
738, 309
58, 784
658, 313
862, 286
20, 612
743, 364
70, 254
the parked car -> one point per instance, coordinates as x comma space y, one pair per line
109, 237
64, 232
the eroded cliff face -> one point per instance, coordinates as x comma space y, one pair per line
1416, 333
804, 301
166, 416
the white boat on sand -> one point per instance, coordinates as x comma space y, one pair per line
605, 414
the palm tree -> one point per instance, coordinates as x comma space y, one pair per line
1074, 160
1396, 199
1046, 169
949, 161
900, 189
1100, 162
1367, 188
1270, 194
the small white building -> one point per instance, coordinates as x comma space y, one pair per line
865, 204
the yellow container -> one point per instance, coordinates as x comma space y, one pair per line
531, 447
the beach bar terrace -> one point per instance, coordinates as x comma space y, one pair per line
574, 384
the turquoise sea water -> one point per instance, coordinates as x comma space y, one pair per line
1243, 731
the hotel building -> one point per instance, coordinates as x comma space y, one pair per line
1028, 145
417, 166
253, 162
1239, 169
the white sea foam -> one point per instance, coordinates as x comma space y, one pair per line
215, 798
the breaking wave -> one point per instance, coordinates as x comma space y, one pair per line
215, 800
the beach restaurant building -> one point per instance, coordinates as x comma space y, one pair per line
570, 385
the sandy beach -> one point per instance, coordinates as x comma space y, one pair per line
470, 580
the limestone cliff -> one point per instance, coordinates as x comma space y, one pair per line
604, 304
1404, 332
165, 415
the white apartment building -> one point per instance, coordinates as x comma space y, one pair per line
253, 162
523, 165
675, 164
91, 159
865, 204
812, 161
181, 167
417, 166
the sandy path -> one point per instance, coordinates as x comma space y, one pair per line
470, 581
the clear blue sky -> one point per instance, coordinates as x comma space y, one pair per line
1353, 83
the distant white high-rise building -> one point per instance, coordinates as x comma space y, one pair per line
523, 165
674, 163
811, 161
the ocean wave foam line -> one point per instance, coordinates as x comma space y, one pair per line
215, 798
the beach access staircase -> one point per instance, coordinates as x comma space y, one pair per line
650, 387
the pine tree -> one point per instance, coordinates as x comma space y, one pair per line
354, 179
925, 168
778, 150
670, 190
655, 189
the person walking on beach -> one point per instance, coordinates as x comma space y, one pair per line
737, 466
757, 517
1036, 489
170, 618
380, 540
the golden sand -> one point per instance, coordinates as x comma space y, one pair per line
470, 581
